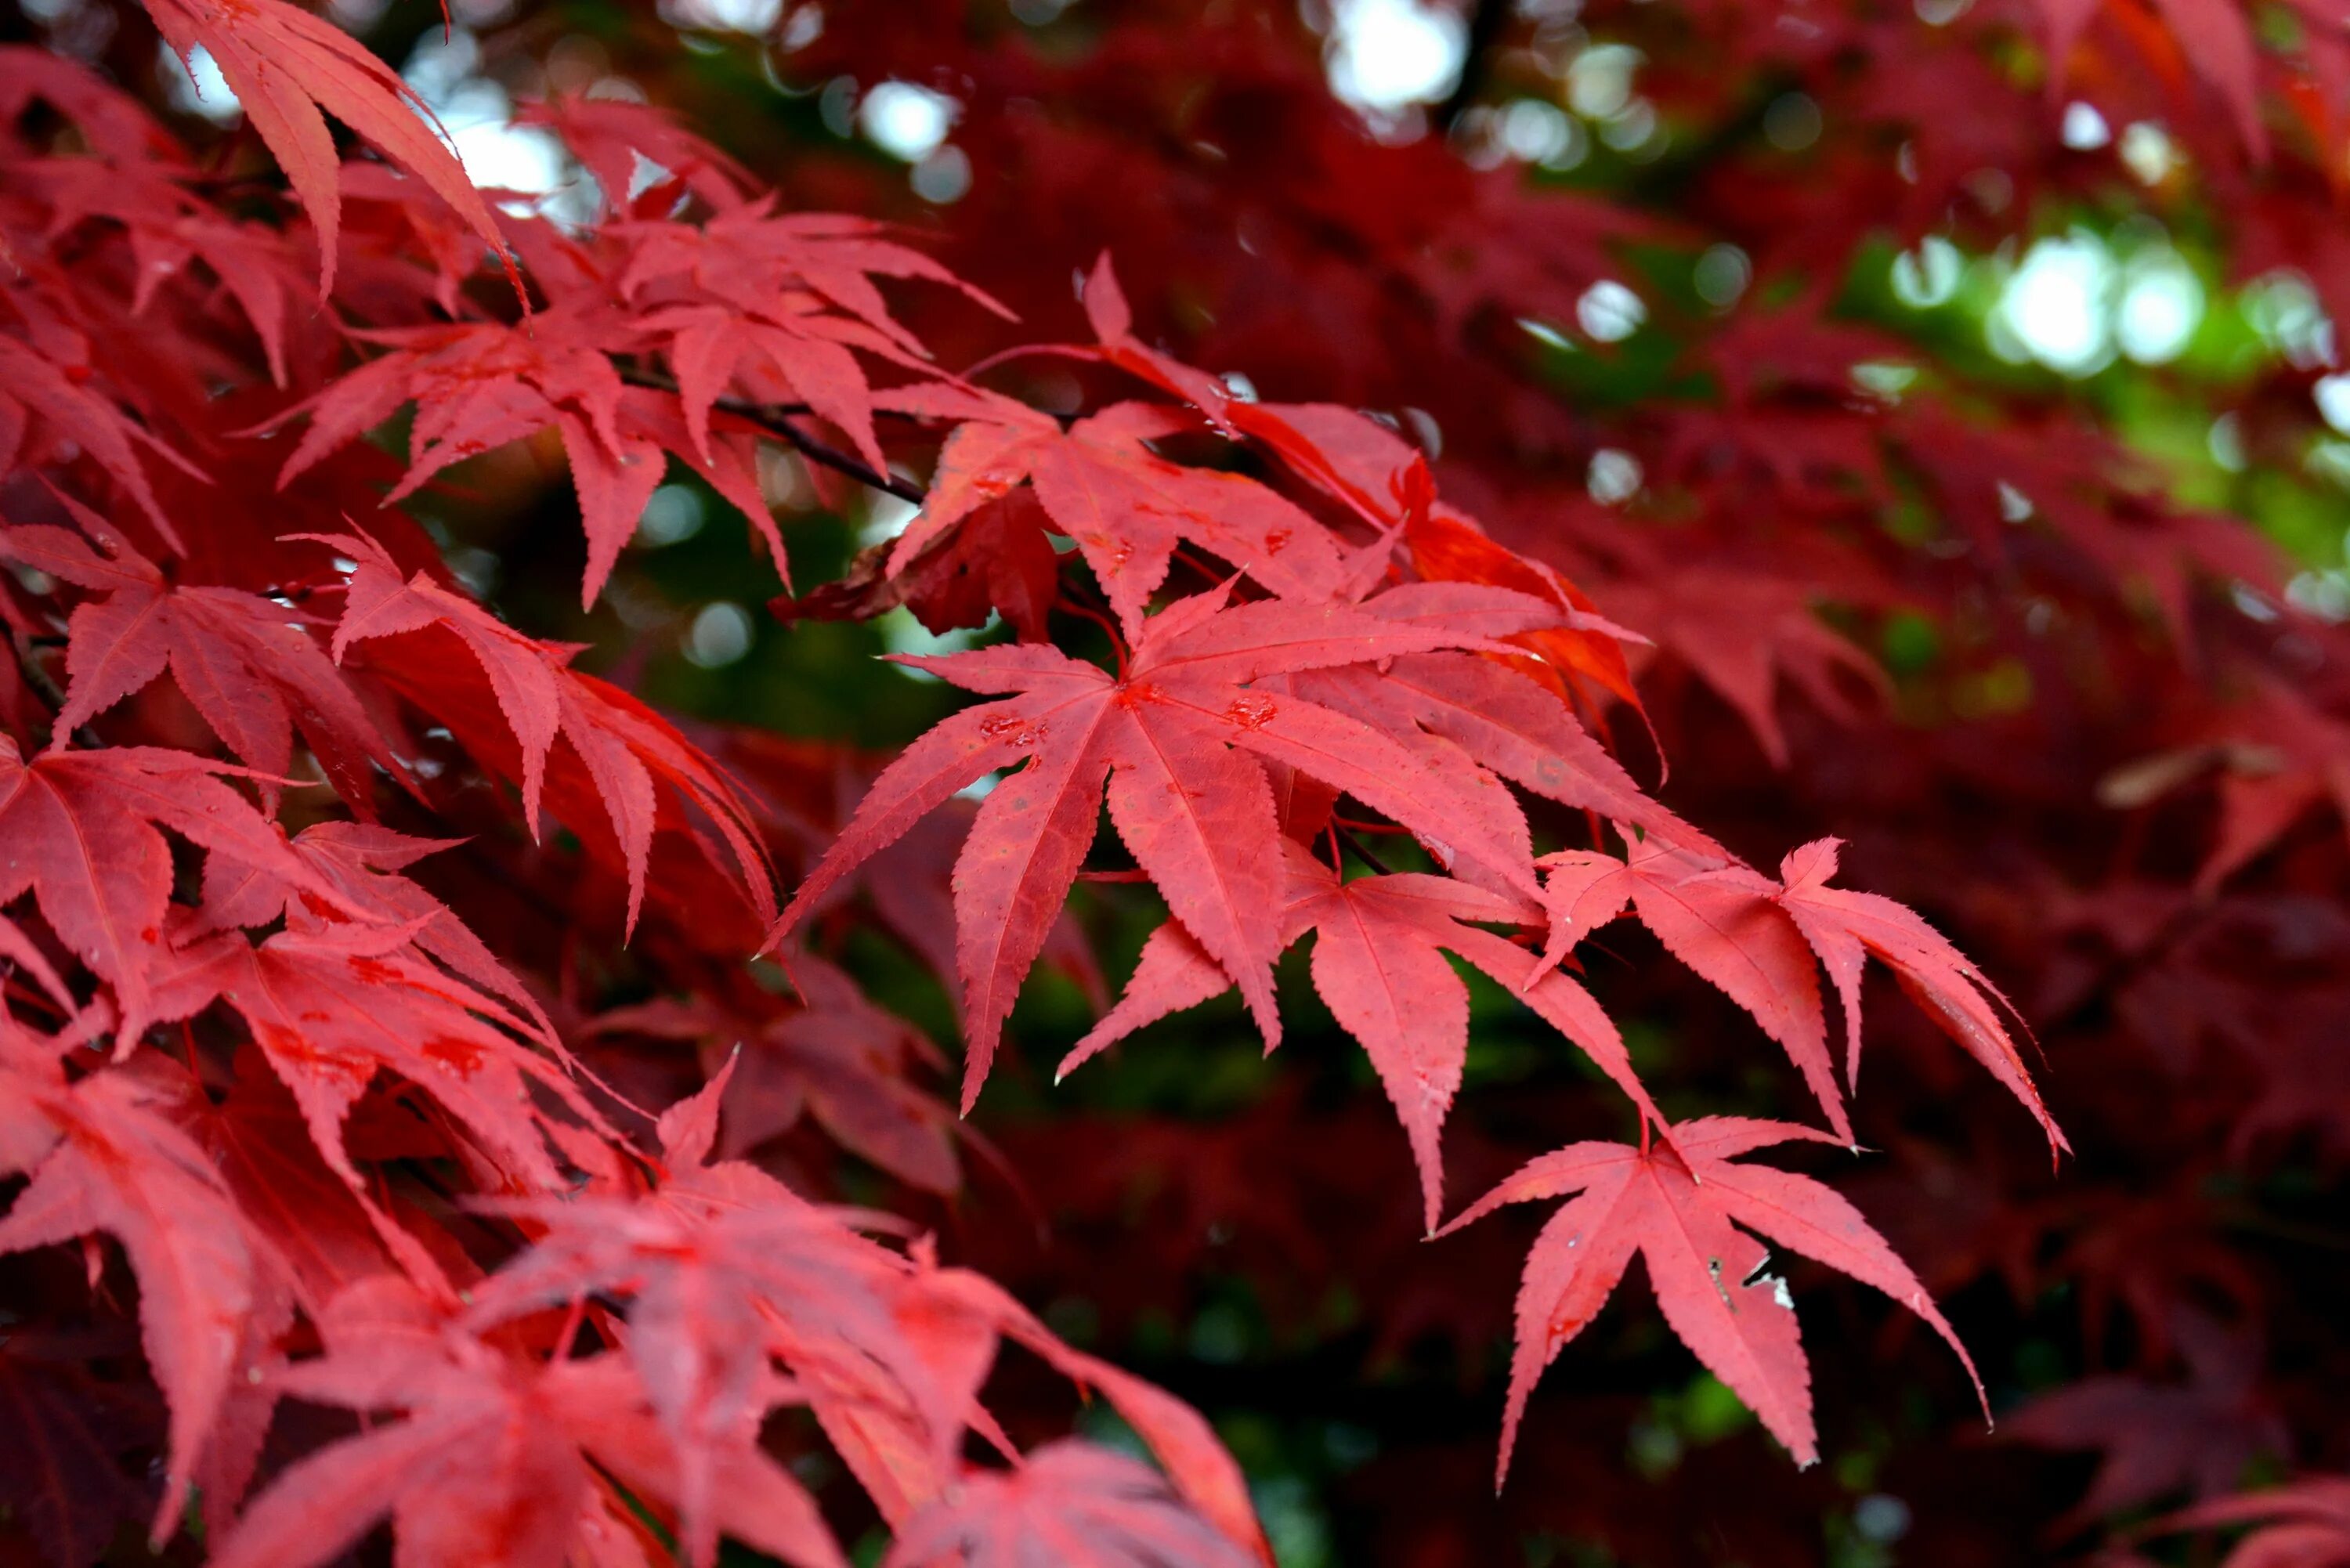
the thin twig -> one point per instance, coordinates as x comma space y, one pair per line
776, 419
1362, 852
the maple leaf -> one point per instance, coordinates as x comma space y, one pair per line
81, 833
998, 559
1378, 964
1126, 507
1505, 721
726, 1270
1175, 735
284, 65
77, 422
1068, 1502
608, 135
1740, 632
332, 1006
1758, 942
493, 1461
2305, 1523
2215, 37
101, 1159
1587, 650
2160, 1438
838, 1058
246, 664
359, 860
767, 264
62, 1445
1680, 1205
616, 752
1722, 920
1847, 928
480, 385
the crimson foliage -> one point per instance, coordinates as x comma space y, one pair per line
513, 1110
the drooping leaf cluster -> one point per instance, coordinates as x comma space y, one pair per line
470, 1066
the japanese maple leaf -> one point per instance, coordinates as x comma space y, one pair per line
1724, 922
1067, 1504
761, 262
38, 394
1279, 429
493, 1461
608, 136
808, 352
1175, 735
727, 1268
246, 664
81, 831
1503, 721
1680, 1205
102, 1160
839, 1058
1586, 652
61, 1449
480, 385
168, 228
2278, 757
1757, 940
1126, 507
999, 559
615, 751
2215, 36
331, 1008
1378, 964
2303, 1523
1204, 1474
1847, 928
285, 65
1741, 633
2161, 1437
362, 862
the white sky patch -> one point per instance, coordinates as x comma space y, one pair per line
1610, 312
720, 636
1614, 477
906, 121
2085, 130
1599, 82
885, 518
2332, 395
2149, 152
1929, 276
672, 514
478, 117
753, 17
1388, 55
2161, 305
2283, 310
901, 633
197, 86
2054, 308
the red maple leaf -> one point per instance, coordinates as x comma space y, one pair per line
1378, 964
1680, 1205
247, 665
1070, 1504
1175, 735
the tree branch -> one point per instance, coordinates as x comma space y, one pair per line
776, 419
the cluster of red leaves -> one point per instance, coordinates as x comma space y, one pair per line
370, 1150
2139, 838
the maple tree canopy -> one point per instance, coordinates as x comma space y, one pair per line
1460, 591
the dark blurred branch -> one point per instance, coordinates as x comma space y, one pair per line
777, 420
1486, 18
